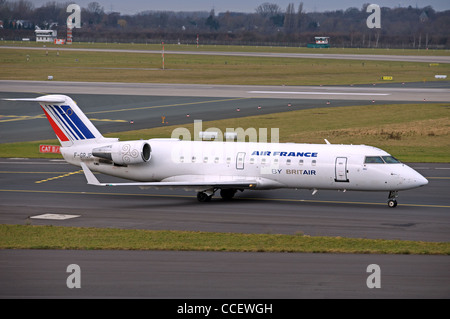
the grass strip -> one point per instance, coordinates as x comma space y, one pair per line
58, 237
37, 65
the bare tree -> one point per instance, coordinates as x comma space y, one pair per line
300, 17
290, 19
268, 10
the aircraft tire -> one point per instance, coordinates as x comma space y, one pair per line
203, 197
227, 193
392, 203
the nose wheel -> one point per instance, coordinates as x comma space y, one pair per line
392, 199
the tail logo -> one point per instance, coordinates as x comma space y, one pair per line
66, 123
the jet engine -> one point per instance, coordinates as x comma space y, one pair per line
125, 153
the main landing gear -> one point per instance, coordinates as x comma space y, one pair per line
392, 199
203, 197
226, 194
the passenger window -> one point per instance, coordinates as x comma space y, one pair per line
228, 160
263, 161
300, 162
373, 160
252, 161
216, 160
313, 162
288, 162
205, 160
193, 159
181, 159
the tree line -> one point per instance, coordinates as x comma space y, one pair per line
269, 24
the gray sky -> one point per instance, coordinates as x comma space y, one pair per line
135, 6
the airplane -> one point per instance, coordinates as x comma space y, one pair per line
228, 166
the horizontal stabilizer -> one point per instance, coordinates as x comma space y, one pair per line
41, 99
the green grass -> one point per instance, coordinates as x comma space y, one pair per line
56, 237
147, 68
410, 132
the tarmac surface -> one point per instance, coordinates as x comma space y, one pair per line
54, 187
437, 91
220, 277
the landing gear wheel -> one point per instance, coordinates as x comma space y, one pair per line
392, 203
203, 197
392, 199
227, 194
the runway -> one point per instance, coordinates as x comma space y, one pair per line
417, 92
32, 187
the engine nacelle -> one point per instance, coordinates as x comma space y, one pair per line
125, 153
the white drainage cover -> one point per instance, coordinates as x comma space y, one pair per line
55, 216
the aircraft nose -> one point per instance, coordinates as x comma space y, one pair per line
410, 178
421, 181
417, 180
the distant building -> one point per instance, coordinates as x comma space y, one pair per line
24, 24
45, 35
321, 42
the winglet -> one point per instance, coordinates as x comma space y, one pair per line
91, 179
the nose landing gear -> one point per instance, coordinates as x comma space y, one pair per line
392, 199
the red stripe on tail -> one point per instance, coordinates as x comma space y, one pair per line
62, 137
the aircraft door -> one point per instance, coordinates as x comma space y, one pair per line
341, 169
240, 157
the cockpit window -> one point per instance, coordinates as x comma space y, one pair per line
373, 160
390, 160
381, 160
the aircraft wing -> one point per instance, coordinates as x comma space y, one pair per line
187, 182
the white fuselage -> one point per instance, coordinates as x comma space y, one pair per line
273, 165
